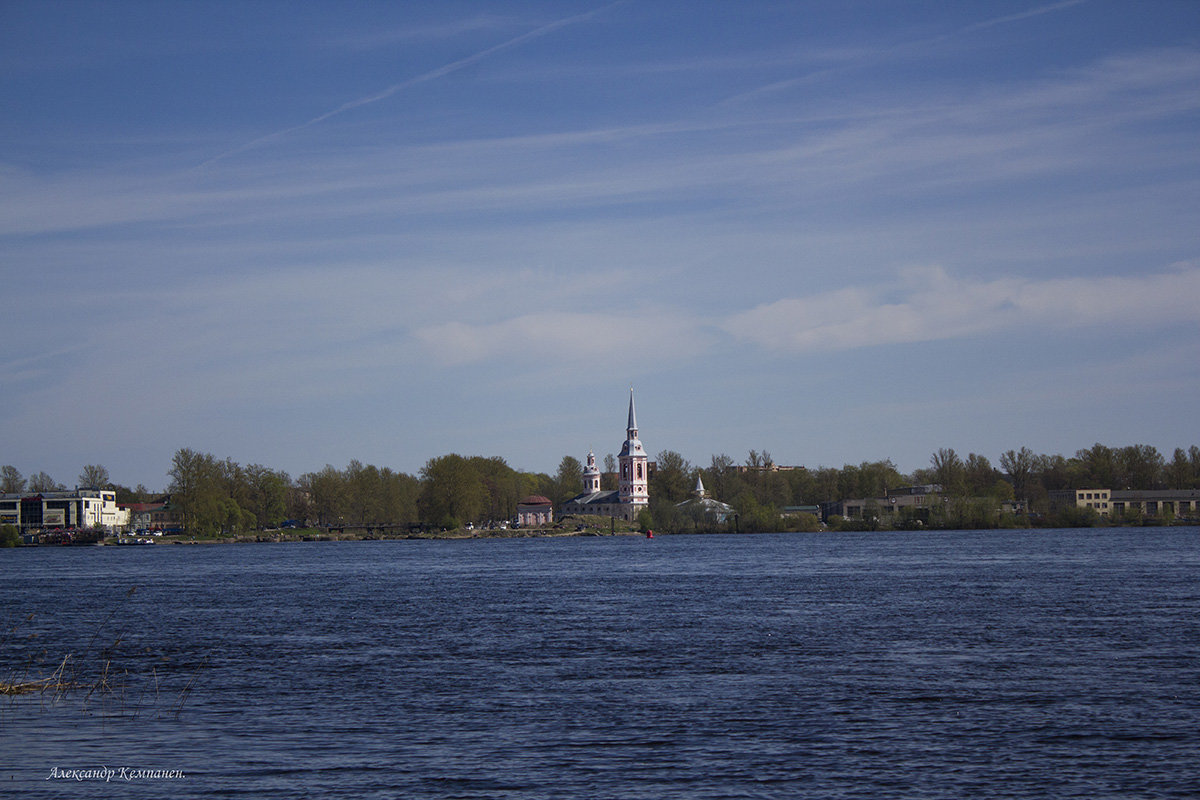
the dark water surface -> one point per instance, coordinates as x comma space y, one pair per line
1049, 664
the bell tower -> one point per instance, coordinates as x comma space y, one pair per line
633, 487
591, 475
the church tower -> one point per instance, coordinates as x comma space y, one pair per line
591, 475
634, 483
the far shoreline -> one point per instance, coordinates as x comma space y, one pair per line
358, 533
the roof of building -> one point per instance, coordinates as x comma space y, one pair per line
57, 494
1155, 494
596, 498
158, 505
708, 505
535, 500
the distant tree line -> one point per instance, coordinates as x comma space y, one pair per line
975, 487
92, 476
214, 496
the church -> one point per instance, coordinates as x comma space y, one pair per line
633, 485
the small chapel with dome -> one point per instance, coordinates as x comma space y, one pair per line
633, 480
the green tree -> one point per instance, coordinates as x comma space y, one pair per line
197, 492
826, 482
400, 491
673, 479
11, 480
327, 495
452, 493
848, 484
235, 500
41, 482
875, 478
950, 472
980, 476
1056, 473
267, 492
9, 536
568, 481
608, 478
1182, 471
1019, 465
801, 487
721, 476
1098, 467
504, 487
137, 495
1142, 465
94, 476
363, 491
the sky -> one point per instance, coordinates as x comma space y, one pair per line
297, 234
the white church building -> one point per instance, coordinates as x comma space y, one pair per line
633, 481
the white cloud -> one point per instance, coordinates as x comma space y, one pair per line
565, 337
931, 305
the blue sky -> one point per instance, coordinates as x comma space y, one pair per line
300, 234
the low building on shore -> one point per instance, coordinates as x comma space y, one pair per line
78, 508
1098, 500
157, 515
702, 506
535, 511
1118, 502
912, 498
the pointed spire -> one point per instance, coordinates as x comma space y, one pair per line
632, 416
699, 490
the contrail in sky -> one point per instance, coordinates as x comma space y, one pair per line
908, 46
1033, 12
425, 77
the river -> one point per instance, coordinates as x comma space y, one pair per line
991, 664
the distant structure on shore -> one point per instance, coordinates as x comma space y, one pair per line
633, 480
79, 508
701, 505
535, 511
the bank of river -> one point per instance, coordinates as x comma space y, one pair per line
585, 527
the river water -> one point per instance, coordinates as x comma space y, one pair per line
1051, 664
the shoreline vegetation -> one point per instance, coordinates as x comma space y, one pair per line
596, 529
456, 496
570, 527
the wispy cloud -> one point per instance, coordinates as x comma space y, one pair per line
564, 337
1018, 17
425, 77
1089, 121
418, 33
929, 304
864, 57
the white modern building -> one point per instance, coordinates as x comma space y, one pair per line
80, 508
